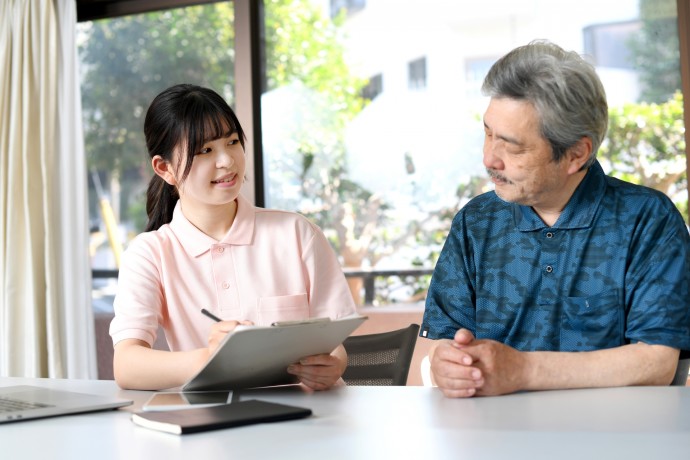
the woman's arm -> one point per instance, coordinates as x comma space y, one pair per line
139, 367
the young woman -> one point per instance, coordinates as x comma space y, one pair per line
206, 246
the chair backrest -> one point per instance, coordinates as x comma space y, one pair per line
681, 378
380, 359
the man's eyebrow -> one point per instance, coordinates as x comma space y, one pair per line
508, 139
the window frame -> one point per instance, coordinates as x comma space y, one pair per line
250, 78
684, 48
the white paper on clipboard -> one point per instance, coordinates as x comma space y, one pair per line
258, 356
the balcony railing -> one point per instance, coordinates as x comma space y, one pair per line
368, 276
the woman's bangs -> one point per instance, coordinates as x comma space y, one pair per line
208, 125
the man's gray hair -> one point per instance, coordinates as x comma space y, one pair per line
564, 89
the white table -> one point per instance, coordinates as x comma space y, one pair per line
381, 423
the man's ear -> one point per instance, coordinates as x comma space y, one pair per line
578, 154
163, 169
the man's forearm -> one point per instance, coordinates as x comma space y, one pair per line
634, 364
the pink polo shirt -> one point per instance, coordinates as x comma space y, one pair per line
271, 266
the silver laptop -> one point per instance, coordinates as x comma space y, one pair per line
29, 402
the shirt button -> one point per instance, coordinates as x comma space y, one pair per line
226, 285
549, 235
221, 249
549, 269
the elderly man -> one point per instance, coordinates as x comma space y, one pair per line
562, 277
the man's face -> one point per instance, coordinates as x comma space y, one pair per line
519, 159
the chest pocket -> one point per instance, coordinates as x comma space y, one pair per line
282, 308
592, 323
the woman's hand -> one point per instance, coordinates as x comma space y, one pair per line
320, 372
219, 330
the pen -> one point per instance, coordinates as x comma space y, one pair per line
210, 315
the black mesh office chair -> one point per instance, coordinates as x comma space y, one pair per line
380, 359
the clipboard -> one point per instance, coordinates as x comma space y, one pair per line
258, 356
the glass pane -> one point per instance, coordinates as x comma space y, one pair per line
125, 62
372, 113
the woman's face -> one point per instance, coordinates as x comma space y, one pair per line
216, 175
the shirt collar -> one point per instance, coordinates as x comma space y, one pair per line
578, 213
196, 242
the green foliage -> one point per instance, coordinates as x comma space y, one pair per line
149, 52
305, 52
302, 44
127, 61
646, 145
655, 51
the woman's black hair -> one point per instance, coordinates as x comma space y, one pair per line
182, 116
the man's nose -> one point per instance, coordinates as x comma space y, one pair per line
491, 159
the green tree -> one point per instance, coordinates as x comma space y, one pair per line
305, 53
126, 62
655, 52
646, 145
303, 44
303, 50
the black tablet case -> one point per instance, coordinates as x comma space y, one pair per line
184, 421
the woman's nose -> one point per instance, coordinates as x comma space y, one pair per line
224, 159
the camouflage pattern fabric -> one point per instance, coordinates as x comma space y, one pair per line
614, 269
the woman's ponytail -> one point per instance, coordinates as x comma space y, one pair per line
161, 198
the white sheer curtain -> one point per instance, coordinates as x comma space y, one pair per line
46, 322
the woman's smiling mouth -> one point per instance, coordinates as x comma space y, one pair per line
225, 179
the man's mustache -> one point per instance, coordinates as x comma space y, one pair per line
493, 174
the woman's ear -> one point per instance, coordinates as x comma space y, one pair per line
163, 169
579, 154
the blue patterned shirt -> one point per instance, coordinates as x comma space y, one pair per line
614, 269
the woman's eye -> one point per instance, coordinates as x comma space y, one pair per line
233, 141
206, 150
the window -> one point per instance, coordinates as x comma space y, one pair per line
384, 175
382, 172
608, 44
125, 62
475, 71
416, 74
373, 88
350, 6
